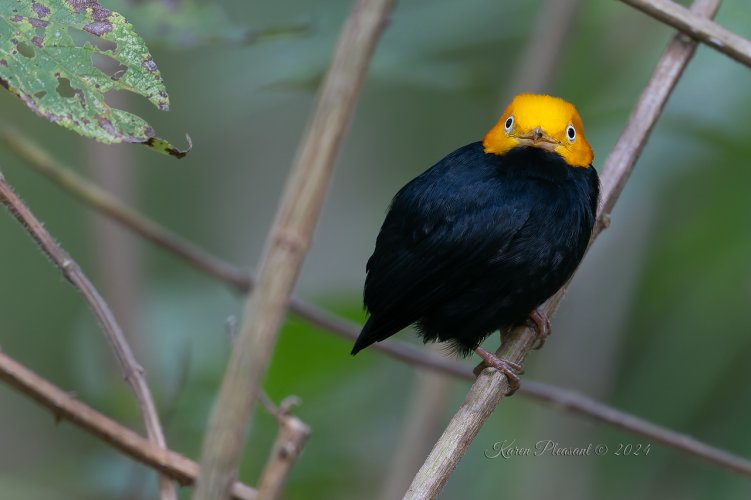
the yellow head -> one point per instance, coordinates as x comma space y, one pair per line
541, 121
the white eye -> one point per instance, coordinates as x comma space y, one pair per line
509, 123
571, 133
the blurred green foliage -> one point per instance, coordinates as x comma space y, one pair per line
656, 321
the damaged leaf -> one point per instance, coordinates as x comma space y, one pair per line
62, 56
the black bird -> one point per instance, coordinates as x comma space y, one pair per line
481, 239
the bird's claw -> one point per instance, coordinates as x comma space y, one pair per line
541, 324
510, 369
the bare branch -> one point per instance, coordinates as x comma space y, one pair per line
286, 246
66, 407
597, 411
560, 398
491, 386
104, 202
483, 397
576, 403
696, 26
132, 370
292, 436
627, 150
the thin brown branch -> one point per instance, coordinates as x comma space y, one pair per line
238, 278
484, 395
104, 202
696, 26
132, 370
290, 441
66, 407
491, 386
589, 408
579, 404
287, 244
627, 150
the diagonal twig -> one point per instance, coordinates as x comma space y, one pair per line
696, 26
287, 244
104, 202
64, 406
491, 386
240, 280
133, 372
291, 438
597, 411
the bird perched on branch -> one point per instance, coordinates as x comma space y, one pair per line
480, 240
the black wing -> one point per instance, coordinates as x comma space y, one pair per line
442, 229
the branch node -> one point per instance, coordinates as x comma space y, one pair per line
290, 241
287, 404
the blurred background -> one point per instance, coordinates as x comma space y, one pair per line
655, 323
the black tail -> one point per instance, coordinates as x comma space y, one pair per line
370, 334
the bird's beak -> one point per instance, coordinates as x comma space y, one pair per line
537, 138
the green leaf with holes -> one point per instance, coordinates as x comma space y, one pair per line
62, 56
